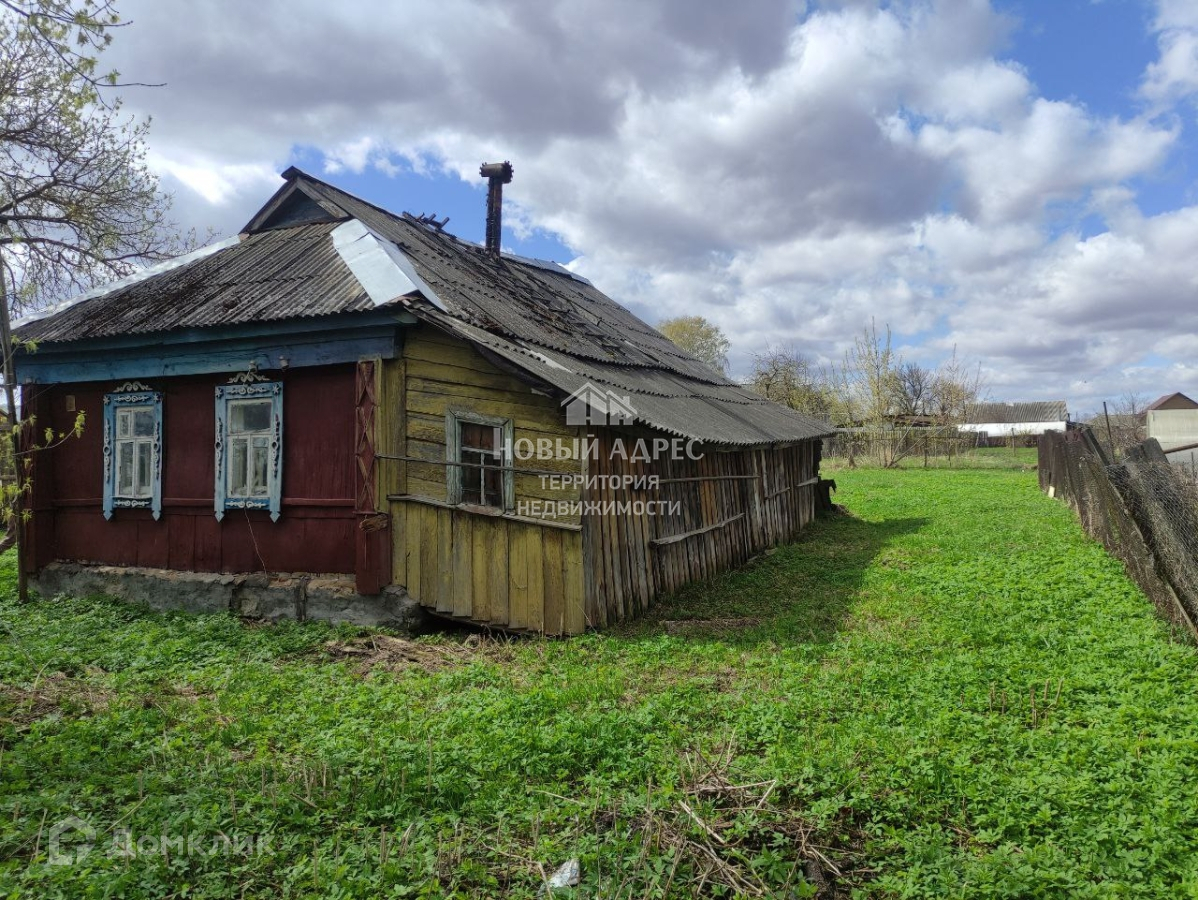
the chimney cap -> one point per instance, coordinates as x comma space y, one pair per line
502, 171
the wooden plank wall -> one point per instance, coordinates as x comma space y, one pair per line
494, 570
729, 507
444, 373
560, 577
316, 532
504, 571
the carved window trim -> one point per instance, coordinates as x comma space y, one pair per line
246, 389
131, 394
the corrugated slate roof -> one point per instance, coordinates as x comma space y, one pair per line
717, 413
513, 297
273, 275
1010, 412
534, 315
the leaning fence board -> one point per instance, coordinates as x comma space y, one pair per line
499, 579
480, 568
576, 619
1138, 510
411, 536
428, 541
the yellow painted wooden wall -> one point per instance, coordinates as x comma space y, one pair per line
510, 570
560, 576
492, 569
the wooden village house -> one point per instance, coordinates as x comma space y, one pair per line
346, 413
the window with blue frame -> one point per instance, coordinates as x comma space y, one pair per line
249, 445
133, 449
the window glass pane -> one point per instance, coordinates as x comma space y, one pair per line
470, 434
471, 479
249, 415
142, 487
143, 422
482, 479
124, 454
124, 419
493, 487
260, 467
237, 468
480, 437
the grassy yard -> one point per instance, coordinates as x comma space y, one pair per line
1019, 458
950, 692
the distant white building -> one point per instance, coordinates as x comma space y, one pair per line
1173, 421
1002, 420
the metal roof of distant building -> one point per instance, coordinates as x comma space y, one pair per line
1013, 412
1161, 401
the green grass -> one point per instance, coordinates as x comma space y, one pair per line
952, 692
1021, 459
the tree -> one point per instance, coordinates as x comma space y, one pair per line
787, 377
78, 205
866, 388
913, 389
956, 386
75, 32
699, 338
1128, 422
868, 379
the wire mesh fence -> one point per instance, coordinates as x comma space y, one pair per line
932, 447
1141, 509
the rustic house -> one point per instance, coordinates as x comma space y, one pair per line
343, 412
1006, 421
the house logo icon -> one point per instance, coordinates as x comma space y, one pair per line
590, 405
71, 839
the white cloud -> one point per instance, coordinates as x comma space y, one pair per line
788, 173
351, 155
1174, 75
1056, 151
216, 182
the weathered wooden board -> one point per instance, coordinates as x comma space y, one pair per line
729, 506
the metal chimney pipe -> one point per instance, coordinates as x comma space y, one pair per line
497, 175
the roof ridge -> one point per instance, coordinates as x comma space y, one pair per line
294, 173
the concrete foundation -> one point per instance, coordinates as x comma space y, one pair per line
270, 597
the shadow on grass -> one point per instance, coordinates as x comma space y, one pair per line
800, 593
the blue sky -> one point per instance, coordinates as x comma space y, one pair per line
1012, 180
1095, 52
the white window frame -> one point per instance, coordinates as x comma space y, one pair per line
127, 400
227, 397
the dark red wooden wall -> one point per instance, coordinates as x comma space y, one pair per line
315, 533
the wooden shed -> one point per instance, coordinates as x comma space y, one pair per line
343, 391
